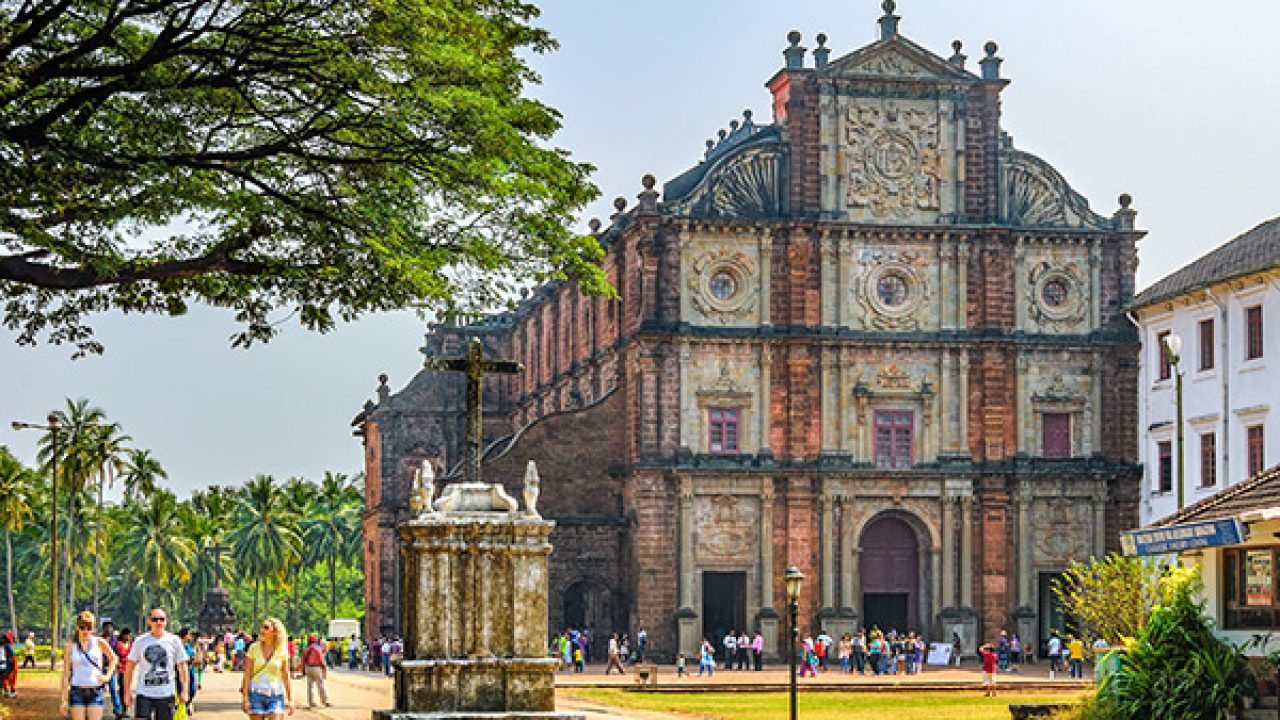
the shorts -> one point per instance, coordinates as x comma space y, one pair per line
988, 678
151, 708
261, 703
86, 697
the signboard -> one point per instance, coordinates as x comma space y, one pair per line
1259, 580
1176, 538
939, 653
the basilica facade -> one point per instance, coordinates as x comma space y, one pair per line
870, 338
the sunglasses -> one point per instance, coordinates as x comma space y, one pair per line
159, 619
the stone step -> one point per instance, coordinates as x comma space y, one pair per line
1258, 714
1270, 701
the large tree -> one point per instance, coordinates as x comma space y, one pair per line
331, 157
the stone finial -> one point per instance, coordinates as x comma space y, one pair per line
957, 58
711, 145
648, 197
991, 64
594, 224
384, 392
822, 53
619, 204
794, 54
1125, 218
746, 117
424, 490
532, 487
889, 21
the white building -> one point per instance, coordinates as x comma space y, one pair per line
1225, 308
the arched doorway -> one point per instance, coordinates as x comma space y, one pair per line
890, 573
589, 605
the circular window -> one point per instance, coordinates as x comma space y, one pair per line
892, 290
723, 286
1054, 293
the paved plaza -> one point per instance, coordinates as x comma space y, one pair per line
355, 694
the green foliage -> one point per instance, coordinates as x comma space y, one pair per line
1177, 669
300, 541
333, 157
1111, 597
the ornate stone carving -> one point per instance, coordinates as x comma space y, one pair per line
1056, 295
894, 289
892, 377
892, 63
746, 184
726, 527
532, 488
894, 160
1034, 194
717, 265
1061, 531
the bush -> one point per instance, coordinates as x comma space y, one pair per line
1177, 669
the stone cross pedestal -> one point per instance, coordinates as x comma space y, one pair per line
474, 599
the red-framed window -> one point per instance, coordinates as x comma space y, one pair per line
1166, 370
1208, 460
1256, 438
895, 444
1055, 435
1206, 344
722, 431
1164, 468
1253, 332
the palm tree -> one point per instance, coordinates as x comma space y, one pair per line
204, 519
333, 528
264, 541
142, 473
75, 463
155, 548
105, 445
16, 485
299, 495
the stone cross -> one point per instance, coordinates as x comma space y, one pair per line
475, 366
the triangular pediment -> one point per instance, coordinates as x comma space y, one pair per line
897, 58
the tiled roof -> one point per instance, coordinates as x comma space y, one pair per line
1260, 491
1258, 249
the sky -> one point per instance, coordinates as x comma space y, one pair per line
1175, 103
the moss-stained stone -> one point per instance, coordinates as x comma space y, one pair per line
474, 600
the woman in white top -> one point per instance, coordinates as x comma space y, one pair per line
90, 665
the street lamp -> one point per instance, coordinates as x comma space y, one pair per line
52, 427
793, 580
1173, 353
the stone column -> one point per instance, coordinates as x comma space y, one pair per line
766, 281
1095, 411
1022, 422
768, 622
948, 409
691, 430
963, 393
966, 551
1100, 520
766, 381
948, 549
828, 553
848, 556
686, 542
687, 623
1024, 544
830, 398
962, 283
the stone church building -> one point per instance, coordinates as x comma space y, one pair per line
871, 338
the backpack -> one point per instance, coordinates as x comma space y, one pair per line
6, 660
312, 657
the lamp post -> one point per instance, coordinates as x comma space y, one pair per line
52, 427
793, 580
1173, 353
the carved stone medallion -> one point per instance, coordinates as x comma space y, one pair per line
894, 289
894, 161
1056, 294
727, 527
722, 284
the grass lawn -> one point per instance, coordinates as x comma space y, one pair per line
922, 705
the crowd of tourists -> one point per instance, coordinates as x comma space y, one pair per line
375, 655
572, 650
156, 675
